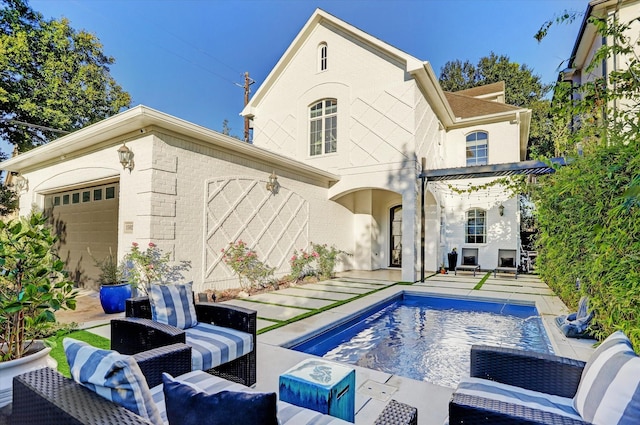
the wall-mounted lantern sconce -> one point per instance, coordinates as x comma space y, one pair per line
19, 183
272, 184
501, 209
126, 157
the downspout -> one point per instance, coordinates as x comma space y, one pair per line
423, 181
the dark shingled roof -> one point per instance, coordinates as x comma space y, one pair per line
464, 106
483, 90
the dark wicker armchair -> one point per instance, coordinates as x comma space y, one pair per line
44, 396
138, 333
533, 371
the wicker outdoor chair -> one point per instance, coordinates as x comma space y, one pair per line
137, 333
539, 372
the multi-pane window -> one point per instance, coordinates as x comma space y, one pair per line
323, 127
477, 147
476, 229
322, 57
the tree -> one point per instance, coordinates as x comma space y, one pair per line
522, 88
51, 77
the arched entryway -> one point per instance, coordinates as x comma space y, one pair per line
395, 236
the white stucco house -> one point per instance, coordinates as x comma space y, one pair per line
589, 41
347, 123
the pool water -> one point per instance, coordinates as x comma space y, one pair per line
429, 338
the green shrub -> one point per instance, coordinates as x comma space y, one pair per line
589, 229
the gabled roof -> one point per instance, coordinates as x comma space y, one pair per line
420, 70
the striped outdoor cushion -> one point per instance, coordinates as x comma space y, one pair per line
111, 375
561, 406
288, 414
215, 345
609, 390
173, 305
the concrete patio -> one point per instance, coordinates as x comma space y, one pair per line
350, 293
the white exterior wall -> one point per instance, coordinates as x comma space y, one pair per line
503, 144
377, 107
170, 198
220, 197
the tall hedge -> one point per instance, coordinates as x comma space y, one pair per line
589, 221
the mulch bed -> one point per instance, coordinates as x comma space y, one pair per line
231, 294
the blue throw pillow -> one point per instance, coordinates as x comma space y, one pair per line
188, 406
111, 375
173, 305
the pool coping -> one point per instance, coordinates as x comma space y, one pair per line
432, 400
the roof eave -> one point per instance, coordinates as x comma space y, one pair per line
139, 119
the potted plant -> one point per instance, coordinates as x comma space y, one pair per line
113, 291
443, 270
33, 285
453, 259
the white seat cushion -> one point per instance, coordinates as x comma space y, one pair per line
215, 345
485, 388
609, 390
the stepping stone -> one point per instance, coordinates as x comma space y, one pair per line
291, 301
267, 311
327, 295
337, 288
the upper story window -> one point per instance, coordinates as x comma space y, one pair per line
322, 57
477, 147
323, 127
476, 229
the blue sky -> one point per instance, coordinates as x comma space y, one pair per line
185, 57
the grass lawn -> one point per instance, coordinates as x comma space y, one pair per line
58, 351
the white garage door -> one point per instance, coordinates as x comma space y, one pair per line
85, 219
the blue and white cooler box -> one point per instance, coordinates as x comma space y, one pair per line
325, 387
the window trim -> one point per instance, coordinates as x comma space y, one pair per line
475, 157
323, 52
467, 226
322, 139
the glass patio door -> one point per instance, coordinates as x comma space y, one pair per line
396, 236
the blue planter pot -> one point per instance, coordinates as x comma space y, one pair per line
113, 297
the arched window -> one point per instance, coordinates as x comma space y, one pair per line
476, 229
323, 127
477, 147
322, 57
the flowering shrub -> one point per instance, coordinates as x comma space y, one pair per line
142, 268
244, 262
302, 264
320, 261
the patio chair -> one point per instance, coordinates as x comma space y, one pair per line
469, 261
214, 349
575, 325
506, 262
44, 396
509, 386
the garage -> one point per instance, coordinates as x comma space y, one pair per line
85, 220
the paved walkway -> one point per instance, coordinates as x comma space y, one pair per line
322, 305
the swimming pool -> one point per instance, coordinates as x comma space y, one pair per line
428, 338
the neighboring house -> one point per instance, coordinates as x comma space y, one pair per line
589, 41
345, 121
